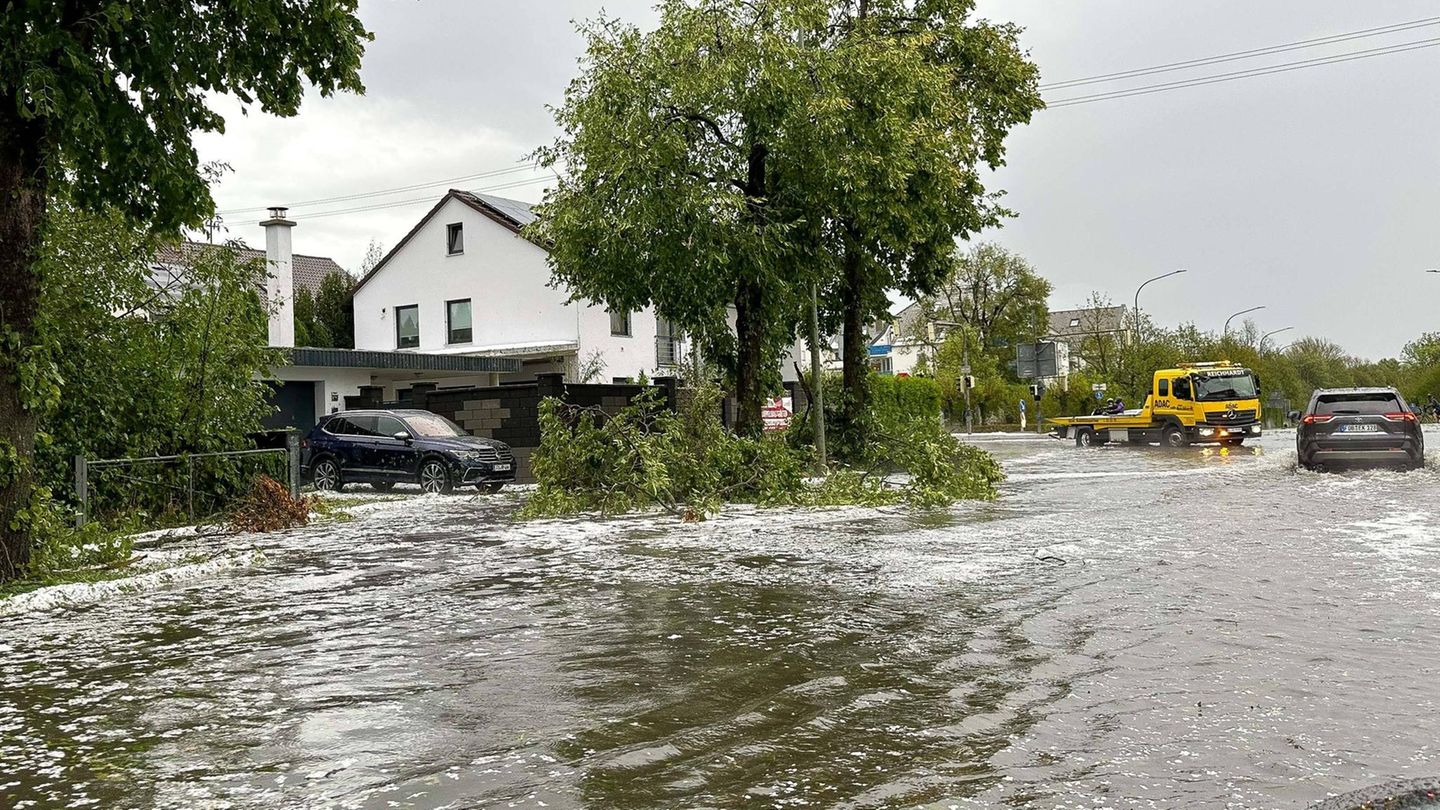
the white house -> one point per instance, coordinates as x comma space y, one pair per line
465, 282
317, 381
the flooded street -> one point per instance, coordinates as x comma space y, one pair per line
1122, 629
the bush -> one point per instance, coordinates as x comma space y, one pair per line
646, 456
687, 462
895, 399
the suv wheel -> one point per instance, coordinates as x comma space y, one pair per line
434, 478
326, 476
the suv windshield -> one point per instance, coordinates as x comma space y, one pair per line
1225, 385
1372, 404
433, 426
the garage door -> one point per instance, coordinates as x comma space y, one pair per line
295, 406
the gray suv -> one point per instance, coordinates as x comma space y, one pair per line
1366, 425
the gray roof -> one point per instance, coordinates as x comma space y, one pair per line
309, 271
1088, 321
513, 210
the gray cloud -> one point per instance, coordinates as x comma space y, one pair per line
1313, 192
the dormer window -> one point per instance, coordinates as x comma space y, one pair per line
454, 239
1074, 322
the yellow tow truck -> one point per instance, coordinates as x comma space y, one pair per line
1194, 403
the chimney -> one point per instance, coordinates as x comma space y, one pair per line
280, 281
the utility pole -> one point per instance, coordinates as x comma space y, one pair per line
965, 384
817, 383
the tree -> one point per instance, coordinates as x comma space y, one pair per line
909, 99
743, 152
183, 362
994, 292
101, 100
675, 145
335, 311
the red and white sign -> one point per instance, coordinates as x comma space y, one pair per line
776, 413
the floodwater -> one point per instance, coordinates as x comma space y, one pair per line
1123, 629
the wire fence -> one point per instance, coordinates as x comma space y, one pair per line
194, 485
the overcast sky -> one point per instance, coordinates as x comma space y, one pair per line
1313, 192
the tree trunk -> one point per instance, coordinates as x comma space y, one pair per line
750, 340
854, 355
22, 209
750, 326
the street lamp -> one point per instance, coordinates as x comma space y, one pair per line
1432, 271
964, 369
1226, 330
1266, 336
1137, 297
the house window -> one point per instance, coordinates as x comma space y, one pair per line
667, 343
620, 323
454, 238
457, 319
407, 327
1074, 322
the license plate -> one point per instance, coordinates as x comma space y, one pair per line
500, 467
1359, 428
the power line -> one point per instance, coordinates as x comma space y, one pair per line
427, 199
398, 189
1244, 74
1237, 55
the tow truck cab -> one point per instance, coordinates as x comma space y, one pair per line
1193, 403
1211, 402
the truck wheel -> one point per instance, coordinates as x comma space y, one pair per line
1174, 437
1085, 437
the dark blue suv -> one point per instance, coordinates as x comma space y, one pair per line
385, 448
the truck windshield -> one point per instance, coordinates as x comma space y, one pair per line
1224, 385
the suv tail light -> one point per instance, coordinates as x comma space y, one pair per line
304, 442
1317, 417
1403, 416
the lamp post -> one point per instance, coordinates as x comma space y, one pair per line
1226, 330
1267, 335
1137, 297
964, 370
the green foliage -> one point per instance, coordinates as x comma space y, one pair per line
334, 312
99, 104
992, 292
326, 319
903, 399
146, 371
149, 371
645, 457
114, 122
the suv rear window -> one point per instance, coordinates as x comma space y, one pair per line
1358, 404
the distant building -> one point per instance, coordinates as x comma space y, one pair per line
1074, 327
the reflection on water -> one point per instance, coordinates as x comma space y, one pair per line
1122, 629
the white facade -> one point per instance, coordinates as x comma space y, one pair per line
514, 310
